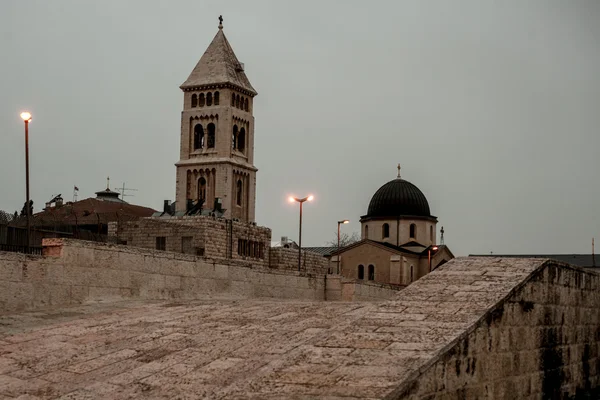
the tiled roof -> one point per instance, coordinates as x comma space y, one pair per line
325, 251
91, 211
218, 65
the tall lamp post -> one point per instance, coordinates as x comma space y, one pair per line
301, 201
26, 116
338, 246
434, 248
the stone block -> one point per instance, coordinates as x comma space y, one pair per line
15, 296
11, 270
104, 293
172, 282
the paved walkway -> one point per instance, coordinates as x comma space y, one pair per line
203, 349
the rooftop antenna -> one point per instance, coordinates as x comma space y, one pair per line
398, 171
593, 254
442, 237
122, 191
75, 190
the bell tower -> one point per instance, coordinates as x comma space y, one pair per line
216, 161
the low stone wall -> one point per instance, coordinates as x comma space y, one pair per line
283, 259
353, 290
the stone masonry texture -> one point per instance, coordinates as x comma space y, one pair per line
474, 328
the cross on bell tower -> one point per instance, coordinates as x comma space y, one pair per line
216, 162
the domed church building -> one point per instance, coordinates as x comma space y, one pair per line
399, 238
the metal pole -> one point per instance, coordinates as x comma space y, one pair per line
338, 250
300, 239
28, 242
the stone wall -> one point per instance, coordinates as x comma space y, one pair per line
215, 238
367, 291
74, 272
281, 258
542, 341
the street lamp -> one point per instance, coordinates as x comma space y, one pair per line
434, 248
26, 116
300, 200
338, 246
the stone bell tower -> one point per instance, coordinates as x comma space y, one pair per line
216, 162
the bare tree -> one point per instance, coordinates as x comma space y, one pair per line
345, 239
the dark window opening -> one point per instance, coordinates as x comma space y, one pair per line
161, 243
241, 141
385, 231
216, 99
361, 272
246, 105
412, 277
234, 136
198, 137
413, 231
201, 100
194, 100
202, 189
186, 245
233, 99
431, 233
209, 99
371, 272
366, 231
239, 192
237, 101
211, 135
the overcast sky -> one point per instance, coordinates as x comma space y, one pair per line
492, 108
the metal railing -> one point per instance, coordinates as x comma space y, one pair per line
35, 250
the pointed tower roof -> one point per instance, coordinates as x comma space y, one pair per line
219, 65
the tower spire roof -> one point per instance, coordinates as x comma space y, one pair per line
219, 65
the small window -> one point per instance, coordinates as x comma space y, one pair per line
202, 189
234, 136
371, 272
246, 104
209, 99
194, 100
241, 140
413, 231
232, 99
161, 243
237, 101
201, 100
412, 275
216, 98
198, 137
385, 231
366, 231
186, 245
431, 233
239, 192
361, 272
211, 136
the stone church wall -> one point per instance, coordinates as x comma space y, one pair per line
214, 238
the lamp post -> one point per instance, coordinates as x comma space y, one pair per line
26, 116
434, 248
301, 201
338, 246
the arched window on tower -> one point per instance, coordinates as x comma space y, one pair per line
211, 135
371, 272
241, 141
237, 101
198, 137
431, 233
361, 272
201, 100
385, 231
216, 99
202, 189
194, 100
232, 99
246, 104
209, 99
366, 231
412, 274
234, 137
239, 193
413, 231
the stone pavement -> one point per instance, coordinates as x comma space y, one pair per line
261, 349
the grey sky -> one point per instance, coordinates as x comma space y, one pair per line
492, 108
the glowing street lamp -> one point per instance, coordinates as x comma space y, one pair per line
434, 248
345, 221
301, 201
26, 116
